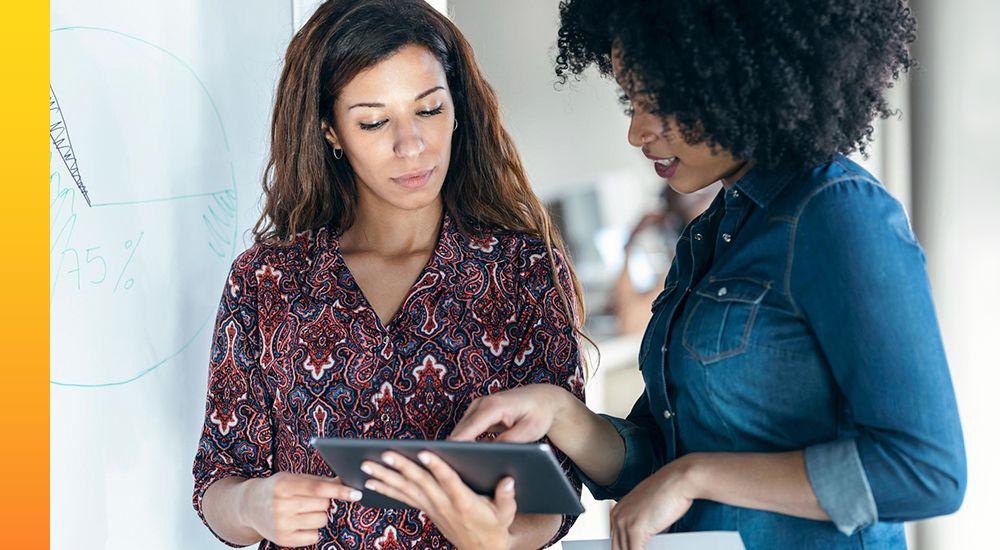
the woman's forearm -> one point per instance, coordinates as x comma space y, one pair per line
589, 440
775, 482
223, 509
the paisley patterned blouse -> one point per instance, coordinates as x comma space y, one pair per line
298, 352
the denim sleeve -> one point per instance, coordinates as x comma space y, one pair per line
858, 277
644, 451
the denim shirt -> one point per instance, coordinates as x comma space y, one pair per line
797, 315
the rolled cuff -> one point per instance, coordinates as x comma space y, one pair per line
838, 478
640, 461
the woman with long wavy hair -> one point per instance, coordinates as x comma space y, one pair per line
402, 268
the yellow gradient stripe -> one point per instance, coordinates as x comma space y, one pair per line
24, 306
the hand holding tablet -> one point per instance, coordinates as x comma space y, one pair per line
541, 485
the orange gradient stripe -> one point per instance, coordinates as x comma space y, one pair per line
24, 307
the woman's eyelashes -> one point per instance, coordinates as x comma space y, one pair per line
372, 125
626, 103
425, 113
431, 112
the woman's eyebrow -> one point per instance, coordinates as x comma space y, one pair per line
428, 92
420, 96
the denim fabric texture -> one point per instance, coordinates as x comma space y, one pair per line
797, 315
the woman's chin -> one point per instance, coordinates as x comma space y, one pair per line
416, 201
685, 185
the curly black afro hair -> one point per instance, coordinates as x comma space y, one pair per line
775, 82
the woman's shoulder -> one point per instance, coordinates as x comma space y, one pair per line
841, 180
521, 250
842, 204
834, 193
283, 255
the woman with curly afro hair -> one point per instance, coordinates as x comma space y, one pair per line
797, 389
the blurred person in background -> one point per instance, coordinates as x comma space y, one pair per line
649, 250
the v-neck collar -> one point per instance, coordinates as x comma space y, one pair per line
327, 271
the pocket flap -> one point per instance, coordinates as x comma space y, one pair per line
747, 291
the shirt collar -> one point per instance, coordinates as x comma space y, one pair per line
762, 185
324, 264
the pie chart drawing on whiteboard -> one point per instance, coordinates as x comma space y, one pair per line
143, 207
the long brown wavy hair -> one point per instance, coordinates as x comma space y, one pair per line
306, 188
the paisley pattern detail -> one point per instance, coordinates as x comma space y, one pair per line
429, 399
298, 352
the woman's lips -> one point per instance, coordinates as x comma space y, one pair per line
414, 179
666, 168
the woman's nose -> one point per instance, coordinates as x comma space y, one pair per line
639, 134
642, 130
409, 142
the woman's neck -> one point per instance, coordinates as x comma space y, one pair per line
389, 231
737, 172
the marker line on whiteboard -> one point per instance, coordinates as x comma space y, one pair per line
60, 138
141, 373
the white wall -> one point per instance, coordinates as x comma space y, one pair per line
957, 215
567, 136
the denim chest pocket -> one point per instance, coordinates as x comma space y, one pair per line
650, 335
722, 319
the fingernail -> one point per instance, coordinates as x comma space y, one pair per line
370, 485
387, 458
424, 457
509, 486
366, 468
355, 495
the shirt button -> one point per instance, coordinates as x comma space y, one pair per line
697, 236
668, 415
722, 291
727, 237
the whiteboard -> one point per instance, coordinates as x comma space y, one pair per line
159, 119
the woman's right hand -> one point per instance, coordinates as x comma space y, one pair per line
528, 413
520, 415
290, 509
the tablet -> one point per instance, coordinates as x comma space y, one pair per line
541, 487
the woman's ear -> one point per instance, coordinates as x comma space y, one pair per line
330, 135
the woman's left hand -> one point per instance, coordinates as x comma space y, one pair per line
652, 506
468, 520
